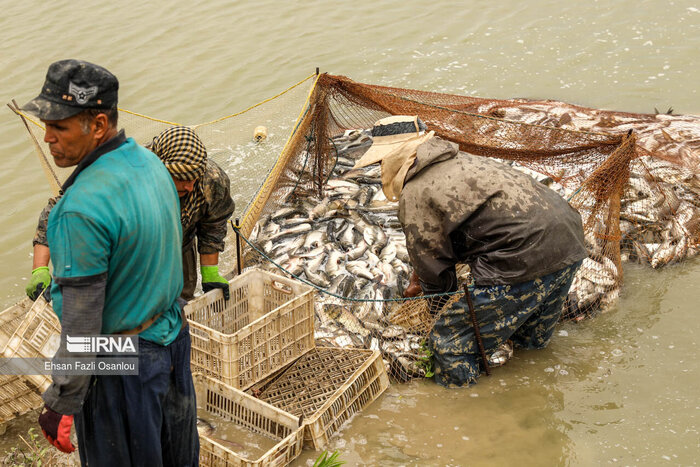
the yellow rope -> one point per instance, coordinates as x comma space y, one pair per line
296, 123
19, 112
149, 118
54, 183
39, 125
199, 124
258, 104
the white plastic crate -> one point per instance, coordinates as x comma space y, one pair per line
266, 324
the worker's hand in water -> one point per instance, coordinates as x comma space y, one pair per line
211, 279
414, 289
56, 428
41, 279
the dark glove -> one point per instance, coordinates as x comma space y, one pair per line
211, 279
41, 279
56, 429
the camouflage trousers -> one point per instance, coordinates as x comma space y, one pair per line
526, 313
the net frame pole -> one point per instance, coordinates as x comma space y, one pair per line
239, 258
477, 331
51, 177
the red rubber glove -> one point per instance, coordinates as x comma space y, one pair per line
56, 429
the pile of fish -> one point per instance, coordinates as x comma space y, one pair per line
661, 203
659, 225
349, 244
660, 213
675, 138
660, 207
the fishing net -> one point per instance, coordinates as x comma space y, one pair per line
594, 159
632, 177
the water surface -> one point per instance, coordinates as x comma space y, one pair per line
621, 388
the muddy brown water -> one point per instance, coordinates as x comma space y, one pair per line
618, 389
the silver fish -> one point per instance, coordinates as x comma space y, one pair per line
283, 213
315, 239
388, 253
295, 265
296, 230
357, 251
317, 277
333, 268
360, 269
205, 427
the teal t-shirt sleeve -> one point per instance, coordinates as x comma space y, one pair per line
80, 247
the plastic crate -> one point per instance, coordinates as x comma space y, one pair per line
231, 404
37, 335
327, 386
267, 323
17, 397
17, 394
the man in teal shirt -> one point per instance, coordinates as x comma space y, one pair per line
115, 240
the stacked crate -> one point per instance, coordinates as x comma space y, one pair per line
261, 343
27, 330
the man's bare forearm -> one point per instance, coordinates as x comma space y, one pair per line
42, 256
210, 259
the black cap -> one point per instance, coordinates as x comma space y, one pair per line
72, 86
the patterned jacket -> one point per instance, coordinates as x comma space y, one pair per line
208, 223
460, 208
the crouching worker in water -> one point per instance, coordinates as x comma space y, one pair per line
522, 241
205, 207
115, 241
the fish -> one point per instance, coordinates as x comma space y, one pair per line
665, 254
349, 236
320, 209
342, 284
360, 269
315, 239
285, 212
357, 251
376, 238
294, 265
347, 319
292, 221
333, 268
296, 230
316, 277
311, 254
388, 253
205, 427
393, 332
389, 275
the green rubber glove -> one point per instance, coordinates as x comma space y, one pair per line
41, 279
211, 279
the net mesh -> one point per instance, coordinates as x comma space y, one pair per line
632, 177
